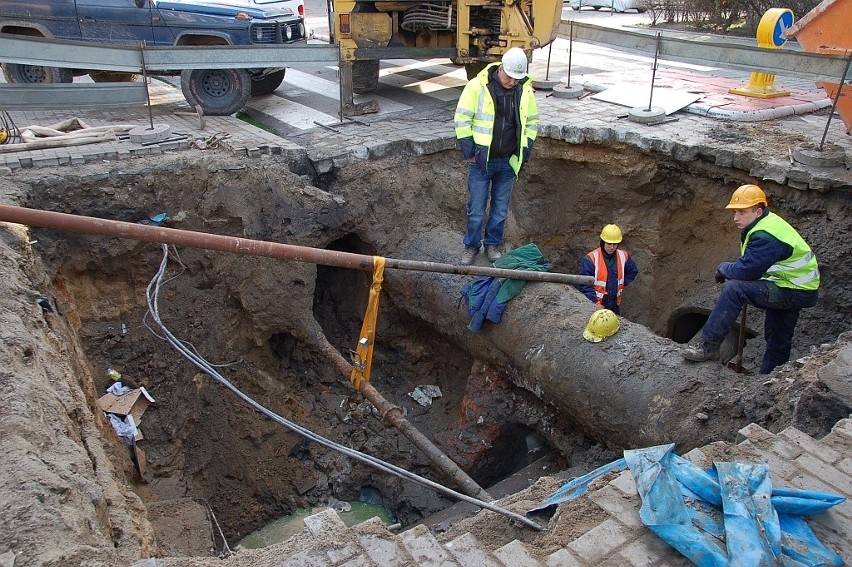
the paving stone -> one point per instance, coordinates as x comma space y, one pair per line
697, 457
467, 552
845, 466
425, 549
600, 541
807, 443
754, 433
645, 551
562, 558
348, 553
309, 558
784, 448
833, 477
514, 554
384, 552
623, 508
324, 522
843, 427
625, 483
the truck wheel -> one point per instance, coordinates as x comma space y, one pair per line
473, 69
365, 76
113, 77
16, 73
267, 84
219, 92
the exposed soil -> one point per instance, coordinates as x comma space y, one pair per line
71, 492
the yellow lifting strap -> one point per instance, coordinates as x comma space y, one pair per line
362, 356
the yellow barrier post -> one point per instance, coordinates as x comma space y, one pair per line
770, 35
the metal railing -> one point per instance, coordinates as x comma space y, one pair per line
131, 59
815, 66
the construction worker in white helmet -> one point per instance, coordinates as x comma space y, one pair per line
496, 123
776, 271
612, 268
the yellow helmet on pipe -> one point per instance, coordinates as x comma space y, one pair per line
602, 324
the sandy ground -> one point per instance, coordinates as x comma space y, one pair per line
71, 494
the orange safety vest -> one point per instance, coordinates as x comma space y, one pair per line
601, 273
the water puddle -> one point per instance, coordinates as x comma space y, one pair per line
282, 528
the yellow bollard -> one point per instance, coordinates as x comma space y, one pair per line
770, 35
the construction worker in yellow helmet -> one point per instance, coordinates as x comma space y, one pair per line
612, 268
776, 271
496, 124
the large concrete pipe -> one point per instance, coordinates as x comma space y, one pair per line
633, 389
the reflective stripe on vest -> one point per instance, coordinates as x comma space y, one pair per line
800, 270
601, 273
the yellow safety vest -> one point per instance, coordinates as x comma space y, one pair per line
800, 270
475, 115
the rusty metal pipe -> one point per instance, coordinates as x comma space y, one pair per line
237, 245
391, 413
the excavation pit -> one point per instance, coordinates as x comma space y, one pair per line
507, 397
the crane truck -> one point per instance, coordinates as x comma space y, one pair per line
472, 33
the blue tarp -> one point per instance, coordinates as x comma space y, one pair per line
730, 515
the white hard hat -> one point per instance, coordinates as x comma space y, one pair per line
515, 63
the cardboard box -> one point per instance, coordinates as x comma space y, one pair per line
134, 403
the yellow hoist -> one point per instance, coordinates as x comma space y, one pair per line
362, 356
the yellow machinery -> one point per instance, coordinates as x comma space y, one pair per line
472, 33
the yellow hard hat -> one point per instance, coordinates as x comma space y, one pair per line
747, 196
611, 234
602, 324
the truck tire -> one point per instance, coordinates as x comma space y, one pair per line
473, 69
16, 73
219, 92
365, 76
267, 84
113, 77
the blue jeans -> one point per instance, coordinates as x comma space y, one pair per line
497, 181
782, 307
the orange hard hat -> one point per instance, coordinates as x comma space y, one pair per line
747, 196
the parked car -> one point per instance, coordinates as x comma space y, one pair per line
296, 6
161, 22
614, 5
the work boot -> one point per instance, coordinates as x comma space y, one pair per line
493, 252
701, 352
468, 255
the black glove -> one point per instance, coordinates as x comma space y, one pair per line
720, 278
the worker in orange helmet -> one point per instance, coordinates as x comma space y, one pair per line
776, 271
612, 268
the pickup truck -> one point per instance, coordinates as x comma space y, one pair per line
160, 22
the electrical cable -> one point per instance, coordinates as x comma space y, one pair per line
152, 294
